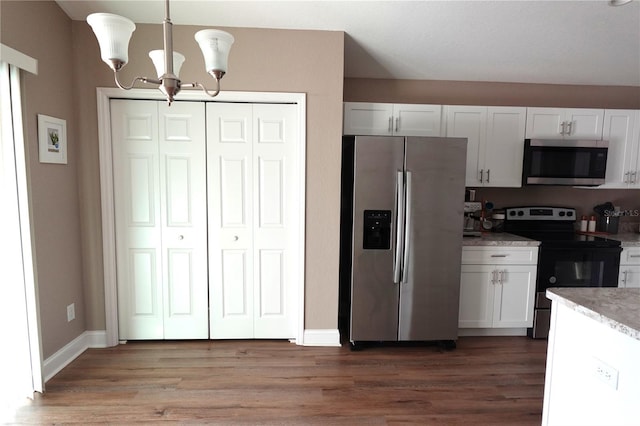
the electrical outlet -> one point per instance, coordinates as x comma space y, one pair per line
606, 373
71, 312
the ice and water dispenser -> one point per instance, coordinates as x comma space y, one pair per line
377, 230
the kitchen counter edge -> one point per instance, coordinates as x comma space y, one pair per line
616, 308
500, 239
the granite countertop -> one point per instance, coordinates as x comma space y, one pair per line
618, 308
627, 239
499, 239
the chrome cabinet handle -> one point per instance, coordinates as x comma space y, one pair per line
624, 278
501, 277
627, 177
390, 124
481, 175
488, 175
570, 126
499, 255
634, 255
494, 274
562, 128
633, 176
397, 123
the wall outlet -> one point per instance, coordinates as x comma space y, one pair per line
606, 373
71, 312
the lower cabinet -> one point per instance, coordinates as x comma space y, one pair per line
629, 268
497, 287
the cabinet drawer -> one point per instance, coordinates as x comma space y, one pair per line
630, 256
500, 255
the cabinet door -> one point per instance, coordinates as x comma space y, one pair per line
621, 129
469, 122
544, 123
514, 296
363, 118
629, 276
477, 284
417, 120
504, 146
583, 123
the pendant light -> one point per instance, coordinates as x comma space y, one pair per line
114, 32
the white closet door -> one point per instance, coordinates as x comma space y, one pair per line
136, 174
160, 193
182, 144
253, 219
230, 185
275, 211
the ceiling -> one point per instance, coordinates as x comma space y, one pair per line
554, 41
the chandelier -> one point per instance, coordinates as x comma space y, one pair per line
114, 32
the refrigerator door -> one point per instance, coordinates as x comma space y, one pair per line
374, 294
429, 295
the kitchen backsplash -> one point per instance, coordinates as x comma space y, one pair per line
583, 200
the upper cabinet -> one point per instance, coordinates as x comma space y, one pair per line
361, 118
564, 123
495, 143
622, 130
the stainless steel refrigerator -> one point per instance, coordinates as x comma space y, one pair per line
406, 235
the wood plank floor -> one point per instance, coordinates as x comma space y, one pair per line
486, 380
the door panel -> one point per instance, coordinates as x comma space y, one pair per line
184, 220
430, 295
374, 294
136, 175
275, 224
230, 176
159, 187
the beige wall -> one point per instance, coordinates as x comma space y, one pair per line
261, 60
42, 31
512, 94
66, 199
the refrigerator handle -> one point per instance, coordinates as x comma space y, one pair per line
407, 229
397, 258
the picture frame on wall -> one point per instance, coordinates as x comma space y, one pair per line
52, 139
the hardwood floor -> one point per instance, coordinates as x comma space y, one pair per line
486, 380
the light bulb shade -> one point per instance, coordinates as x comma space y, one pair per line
215, 46
157, 56
113, 33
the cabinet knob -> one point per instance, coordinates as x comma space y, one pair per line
181, 237
236, 238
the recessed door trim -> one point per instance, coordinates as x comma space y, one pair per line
104, 95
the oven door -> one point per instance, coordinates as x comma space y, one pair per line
578, 267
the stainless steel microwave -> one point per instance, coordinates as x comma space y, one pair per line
564, 162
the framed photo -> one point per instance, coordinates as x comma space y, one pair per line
52, 139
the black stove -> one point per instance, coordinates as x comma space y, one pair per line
565, 258
552, 226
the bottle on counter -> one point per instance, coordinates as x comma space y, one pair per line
583, 224
592, 224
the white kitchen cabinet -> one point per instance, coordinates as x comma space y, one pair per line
382, 119
622, 130
564, 123
495, 144
497, 287
629, 268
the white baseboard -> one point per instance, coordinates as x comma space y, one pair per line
324, 337
73, 349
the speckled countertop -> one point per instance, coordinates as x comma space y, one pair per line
499, 239
618, 308
627, 239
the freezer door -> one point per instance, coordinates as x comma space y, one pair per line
430, 291
374, 295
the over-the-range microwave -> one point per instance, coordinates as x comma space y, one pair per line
564, 162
